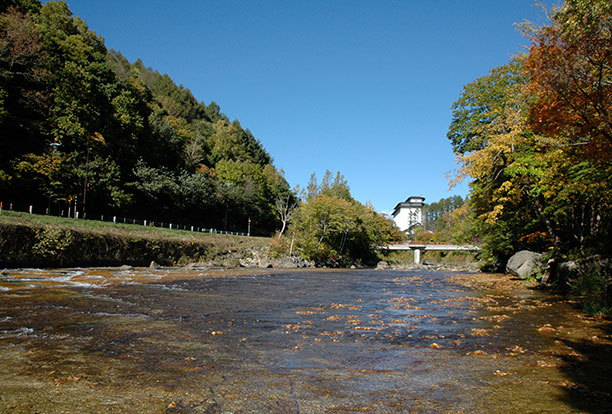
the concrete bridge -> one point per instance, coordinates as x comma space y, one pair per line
418, 247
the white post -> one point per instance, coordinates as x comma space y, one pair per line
417, 256
115, 219
76, 215
30, 209
145, 223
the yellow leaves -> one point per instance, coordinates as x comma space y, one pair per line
97, 137
506, 186
492, 216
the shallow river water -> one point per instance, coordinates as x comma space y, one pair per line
317, 341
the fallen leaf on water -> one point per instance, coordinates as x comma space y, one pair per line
366, 328
434, 345
292, 326
190, 359
544, 364
70, 378
519, 349
341, 305
377, 322
501, 373
546, 328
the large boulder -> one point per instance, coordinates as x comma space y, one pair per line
524, 264
382, 265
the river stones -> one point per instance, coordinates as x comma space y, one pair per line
524, 263
382, 265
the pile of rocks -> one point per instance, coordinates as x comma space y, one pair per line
442, 267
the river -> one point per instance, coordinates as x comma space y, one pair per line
319, 341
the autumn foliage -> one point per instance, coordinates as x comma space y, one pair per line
539, 150
570, 76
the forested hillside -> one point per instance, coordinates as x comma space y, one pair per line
82, 126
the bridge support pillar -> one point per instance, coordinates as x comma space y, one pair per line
417, 256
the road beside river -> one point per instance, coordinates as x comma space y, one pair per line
316, 341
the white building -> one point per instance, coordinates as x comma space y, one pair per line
409, 214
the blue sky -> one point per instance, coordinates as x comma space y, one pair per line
360, 87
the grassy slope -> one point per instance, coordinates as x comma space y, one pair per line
27, 239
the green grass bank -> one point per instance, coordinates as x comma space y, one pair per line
28, 240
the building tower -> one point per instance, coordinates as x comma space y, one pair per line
409, 214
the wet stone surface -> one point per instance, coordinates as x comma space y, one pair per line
317, 341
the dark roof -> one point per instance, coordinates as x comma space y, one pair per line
408, 204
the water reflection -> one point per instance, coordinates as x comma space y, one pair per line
201, 340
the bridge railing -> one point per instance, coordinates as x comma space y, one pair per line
417, 248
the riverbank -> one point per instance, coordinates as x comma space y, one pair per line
28, 240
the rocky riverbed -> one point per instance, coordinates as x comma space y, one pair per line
196, 340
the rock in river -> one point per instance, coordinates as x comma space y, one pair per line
524, 263
382, 265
